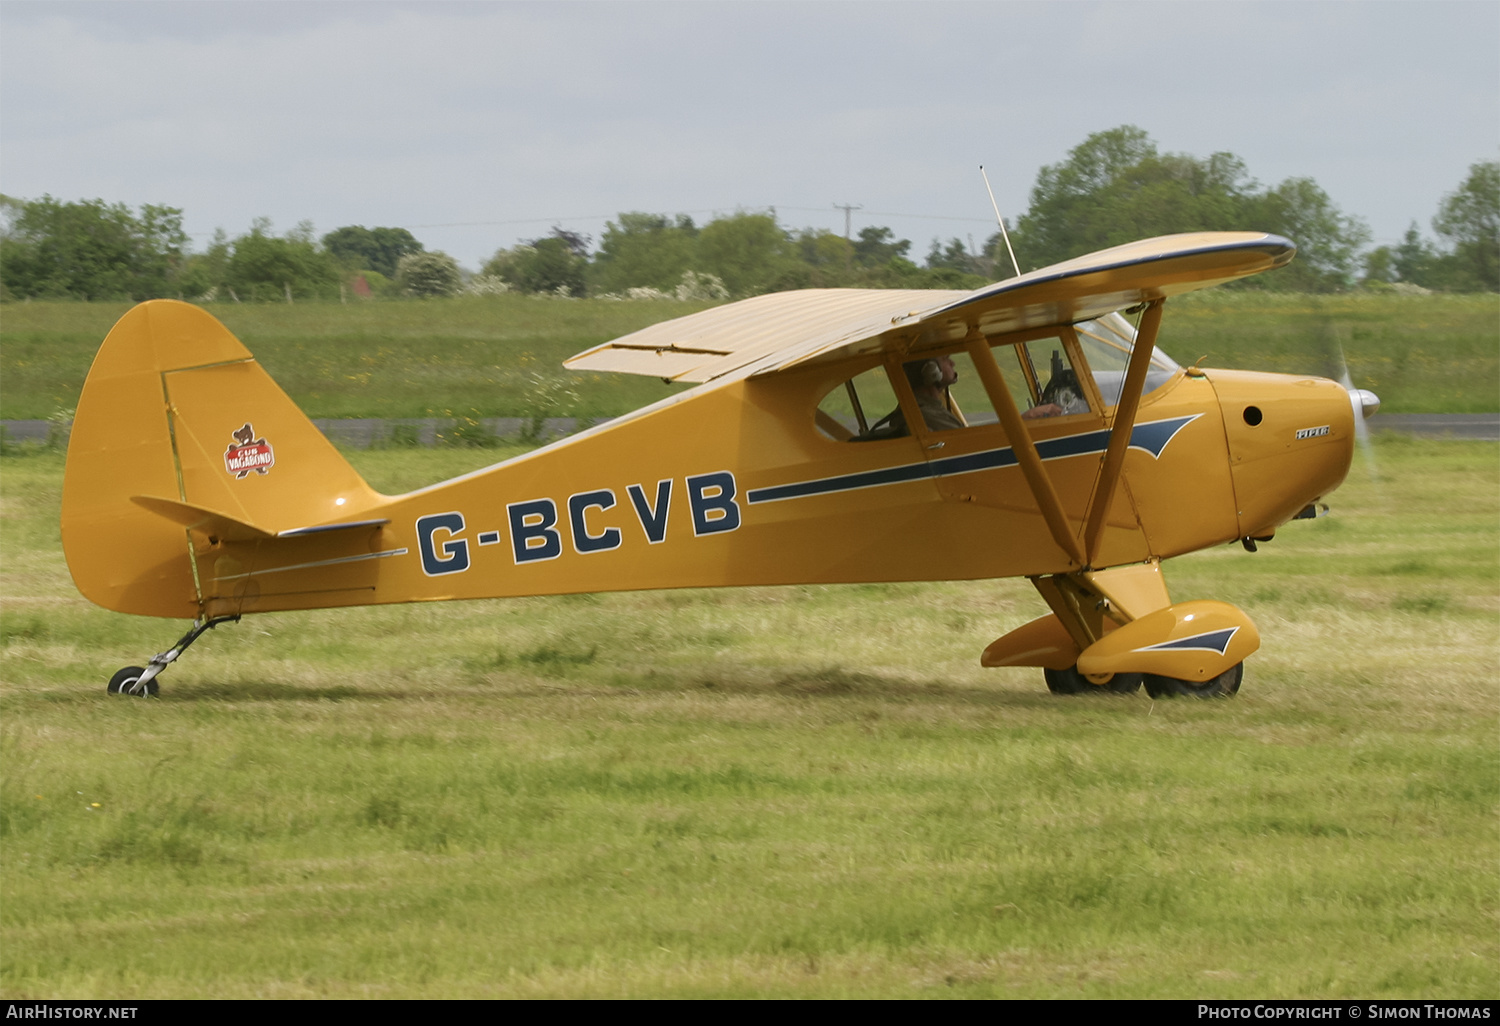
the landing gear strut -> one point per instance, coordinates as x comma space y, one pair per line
141, 680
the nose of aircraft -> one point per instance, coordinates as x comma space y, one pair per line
1291, 440
1366, 403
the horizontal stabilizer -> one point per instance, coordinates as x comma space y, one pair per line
226, 528
298, 532
206, 521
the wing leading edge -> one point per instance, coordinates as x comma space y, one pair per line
766, 334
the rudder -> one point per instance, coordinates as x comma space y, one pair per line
176, 408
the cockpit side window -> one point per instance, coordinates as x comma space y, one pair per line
966, 393
853, 409
947, 394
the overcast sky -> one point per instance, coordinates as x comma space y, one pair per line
478, 124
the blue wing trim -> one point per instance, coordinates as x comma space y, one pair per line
1273, 245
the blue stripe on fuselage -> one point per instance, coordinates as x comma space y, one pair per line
842, 483
1150, 437
1153, 437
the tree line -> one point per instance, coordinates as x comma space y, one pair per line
1114, 187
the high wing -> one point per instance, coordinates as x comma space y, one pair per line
770, 333
717, 341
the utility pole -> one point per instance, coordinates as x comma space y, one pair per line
848, 208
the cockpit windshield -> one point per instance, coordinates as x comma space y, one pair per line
1106, 343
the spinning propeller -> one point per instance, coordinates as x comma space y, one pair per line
1366, 404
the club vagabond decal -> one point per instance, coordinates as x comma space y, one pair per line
248, 453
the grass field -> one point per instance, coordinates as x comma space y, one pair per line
772, 792
501, 356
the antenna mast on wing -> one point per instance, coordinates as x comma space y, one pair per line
1003, 233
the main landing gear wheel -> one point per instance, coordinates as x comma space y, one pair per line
127, 682
1071, 682
1222, 686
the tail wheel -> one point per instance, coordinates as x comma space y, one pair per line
1222, 686
1071, 682
124, 682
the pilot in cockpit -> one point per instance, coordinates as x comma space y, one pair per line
930, 381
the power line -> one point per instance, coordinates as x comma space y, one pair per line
887, 213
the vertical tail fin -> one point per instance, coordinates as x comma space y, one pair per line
176, 408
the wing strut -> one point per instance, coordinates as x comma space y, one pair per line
1021, 444
1119, 435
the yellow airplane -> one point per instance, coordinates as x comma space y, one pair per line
1027, 428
